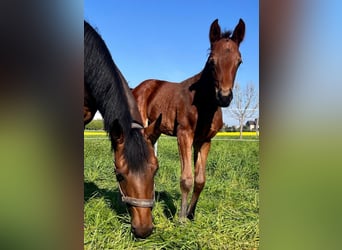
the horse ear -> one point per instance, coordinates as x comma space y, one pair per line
239, 32
153, 130
215, 32
116, 133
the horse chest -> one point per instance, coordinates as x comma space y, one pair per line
208, 123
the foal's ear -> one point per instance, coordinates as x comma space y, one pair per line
215, 32
239, 32
153, 130
116, 134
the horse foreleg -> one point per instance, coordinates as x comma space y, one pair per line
200, 157
186, 180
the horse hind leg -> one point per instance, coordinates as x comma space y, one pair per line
200, 157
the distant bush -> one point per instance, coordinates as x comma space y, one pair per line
95, 125
245, 128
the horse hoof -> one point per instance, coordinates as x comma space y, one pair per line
191, 216
183, 219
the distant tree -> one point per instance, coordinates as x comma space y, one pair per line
244, 105
224, 128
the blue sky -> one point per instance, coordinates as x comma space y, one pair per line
169, 40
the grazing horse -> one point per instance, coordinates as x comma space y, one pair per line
106, 90
191, 110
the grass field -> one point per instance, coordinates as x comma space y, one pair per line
227, 213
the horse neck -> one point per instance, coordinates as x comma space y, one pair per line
105, 82
203, 89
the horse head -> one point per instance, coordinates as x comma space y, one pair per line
224, 60
135, 175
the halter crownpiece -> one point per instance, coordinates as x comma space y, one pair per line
136, 125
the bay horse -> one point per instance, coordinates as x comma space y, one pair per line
191, 110
106, 90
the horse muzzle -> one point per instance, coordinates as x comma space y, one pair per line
223, 99
142, 232
141, 224
141, 213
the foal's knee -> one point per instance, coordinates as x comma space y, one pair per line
186, 184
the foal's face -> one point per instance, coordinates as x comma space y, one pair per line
224, 60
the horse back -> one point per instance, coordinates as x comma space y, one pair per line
172, 100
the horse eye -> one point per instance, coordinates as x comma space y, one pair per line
119, 177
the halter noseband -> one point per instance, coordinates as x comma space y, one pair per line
135, 202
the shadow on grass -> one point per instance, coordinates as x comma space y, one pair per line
169, 208
91, 190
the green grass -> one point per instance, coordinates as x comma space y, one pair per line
227, 214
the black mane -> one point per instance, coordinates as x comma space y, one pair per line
105, 83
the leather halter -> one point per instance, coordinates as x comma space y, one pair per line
135, 202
